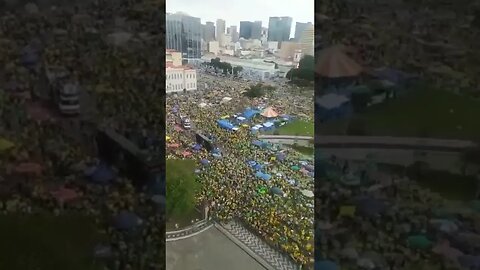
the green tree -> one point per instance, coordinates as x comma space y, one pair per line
255, 91
236, 70
181, 188
307, 63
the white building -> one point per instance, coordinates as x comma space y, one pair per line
213, 47
255, 69
179, 79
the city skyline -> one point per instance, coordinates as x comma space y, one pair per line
248, 10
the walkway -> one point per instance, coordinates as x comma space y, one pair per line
214, 237
273, 257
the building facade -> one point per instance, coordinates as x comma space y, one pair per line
299, 29
180, 79
256, 30
307, 40
245, 29
209, 31
184, 34
279, 28
234, 33
220, 29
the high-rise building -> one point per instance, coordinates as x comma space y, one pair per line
209, 31
234, 33
220, 28
184, 34
256, 30
307, 40
299, 28
279, 28
246, 29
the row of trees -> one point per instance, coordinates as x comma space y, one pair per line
225, 67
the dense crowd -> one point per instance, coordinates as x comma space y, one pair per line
43, 153
371, 219
228, 183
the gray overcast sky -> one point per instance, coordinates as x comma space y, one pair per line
234, 11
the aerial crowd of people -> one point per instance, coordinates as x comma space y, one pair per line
228, 183
44, 155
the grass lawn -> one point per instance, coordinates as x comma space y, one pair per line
297, 127
45, 242
305, 150
423, 113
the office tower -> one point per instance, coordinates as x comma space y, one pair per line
279, 28
246, 29
234, 33
299, 28
256, 30
220, 28
184, 34
209, 31
307, 40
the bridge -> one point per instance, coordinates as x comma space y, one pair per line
441, 154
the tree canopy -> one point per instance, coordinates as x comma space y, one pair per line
305, 70
256, 90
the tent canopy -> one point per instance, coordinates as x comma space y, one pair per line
249, 113
223, 123
334, 63
269, 113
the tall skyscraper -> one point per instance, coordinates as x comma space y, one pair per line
246, 29
220, 29
209, 31
234, 33
299, 28
256, 30
307, 40
279, 28
184, 34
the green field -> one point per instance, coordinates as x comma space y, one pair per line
423, 113
47, 242
298, 128
305, 150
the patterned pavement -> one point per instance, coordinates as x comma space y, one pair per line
272, 256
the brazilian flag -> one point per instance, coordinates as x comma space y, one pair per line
262, 190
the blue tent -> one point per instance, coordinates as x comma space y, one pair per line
259, 174
326, 265
281, 156
196, 147
223, 123
102, 175
257, 143
266, 176
257, 167
126, 220
204, 161
332, 106
276, 191
251, 163
249, 113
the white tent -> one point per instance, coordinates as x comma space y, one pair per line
307, 193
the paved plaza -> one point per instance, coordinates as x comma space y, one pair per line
209, 250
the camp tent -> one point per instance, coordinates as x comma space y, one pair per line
223, 123
269, 113
332, 106
249, 113
334, 63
